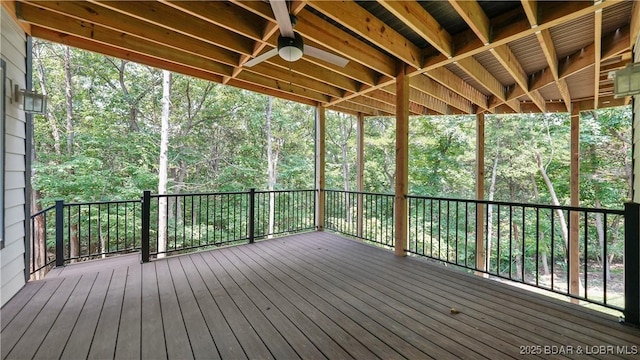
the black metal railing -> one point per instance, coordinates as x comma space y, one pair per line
584, 253
80, 231
42, 240
572, 251
183, 222
372, 221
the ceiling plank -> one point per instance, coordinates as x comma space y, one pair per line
419, 20
597, 41
363, 23
635, 24
478, 72
474, 16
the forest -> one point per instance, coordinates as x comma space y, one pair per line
103, 138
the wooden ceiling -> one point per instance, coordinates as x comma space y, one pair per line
463, 56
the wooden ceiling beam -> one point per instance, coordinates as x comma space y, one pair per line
549, 50
58, 22
474, 16
166, 17
438, 91
422, 23
118, 22
332, 38
450, 80
530, 8
352, 16
508, 59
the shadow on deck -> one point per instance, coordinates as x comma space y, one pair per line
314, 295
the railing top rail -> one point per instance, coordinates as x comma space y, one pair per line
525, 205
43, 211
358, 192
200, 194
283, 191
101, 202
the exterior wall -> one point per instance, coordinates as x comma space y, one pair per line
636, 134
12, 256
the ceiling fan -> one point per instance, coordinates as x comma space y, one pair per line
291, 46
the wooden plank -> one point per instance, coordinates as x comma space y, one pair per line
14, 330
574, 184
80, 338
128, 342
60, 332
152, 341
480, 255
289, 328
175, 332
376, 338
531, 9
417, 341
447, 78
475, 17
223, 336
31, 339
106, 332
471, 295
361, 22
320, 166
560, 319
460, 334
299, 306
244, 332
200, 337
422, 23
360, 172
402, 162
275, 341
19, 301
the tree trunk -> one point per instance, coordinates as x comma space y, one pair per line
543, 254
49, 115
69, 99
74, 241
272, 163
554, 199
516, 235
492, 191
164, 163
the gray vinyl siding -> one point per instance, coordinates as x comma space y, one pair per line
12, 256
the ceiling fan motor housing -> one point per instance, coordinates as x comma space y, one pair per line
290, 49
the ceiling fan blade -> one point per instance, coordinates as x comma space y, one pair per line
257, 60
325, 55
281, 13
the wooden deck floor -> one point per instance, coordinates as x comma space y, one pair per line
313, 296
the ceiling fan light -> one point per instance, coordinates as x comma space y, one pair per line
290, 49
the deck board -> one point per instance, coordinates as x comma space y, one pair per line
308, 296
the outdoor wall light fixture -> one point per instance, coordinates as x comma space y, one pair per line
32, 102
627, 81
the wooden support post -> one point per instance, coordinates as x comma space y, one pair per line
360, 174
480, 255
320, 162
574, 217
402, 161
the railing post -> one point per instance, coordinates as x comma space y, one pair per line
59, 233
252, 215
146, 216
632, 263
